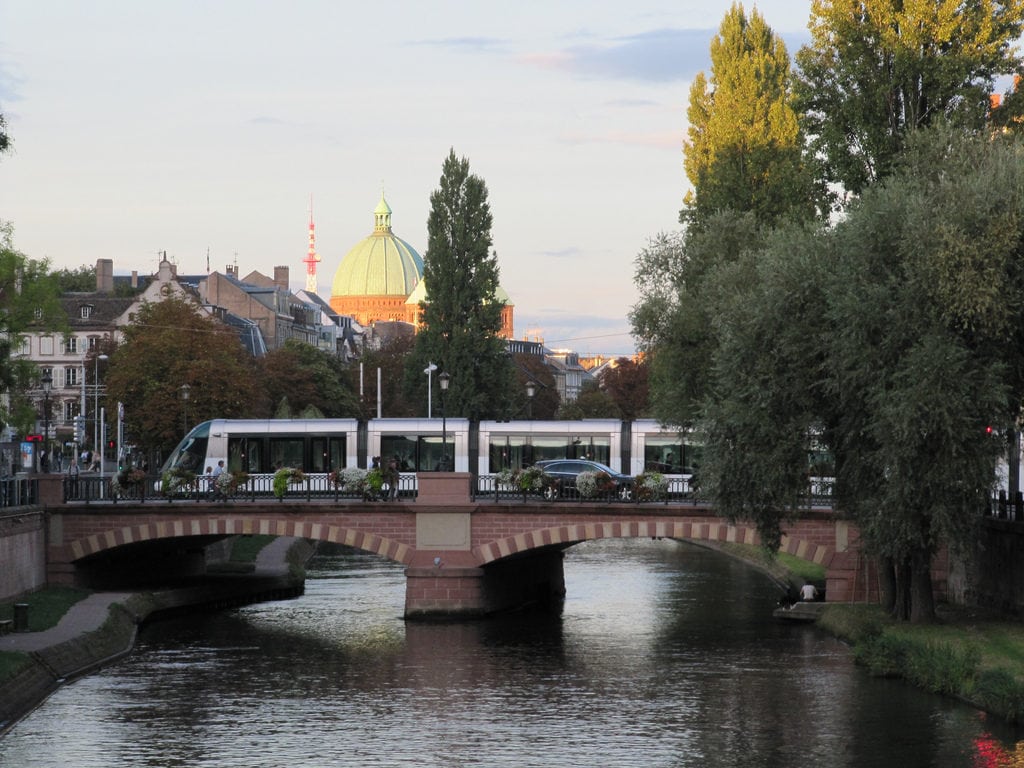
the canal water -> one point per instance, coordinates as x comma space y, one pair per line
665, 655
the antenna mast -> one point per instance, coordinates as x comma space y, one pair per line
312, 257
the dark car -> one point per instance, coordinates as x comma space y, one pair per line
565, 472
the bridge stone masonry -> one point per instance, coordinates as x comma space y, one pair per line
461, 558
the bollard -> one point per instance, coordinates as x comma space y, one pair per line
21, 617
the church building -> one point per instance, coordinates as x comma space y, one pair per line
381, 279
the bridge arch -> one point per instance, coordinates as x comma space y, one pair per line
389, 548
711, 530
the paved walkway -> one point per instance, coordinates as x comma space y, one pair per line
84, 616
89, 614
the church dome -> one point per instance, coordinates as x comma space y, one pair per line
379, 265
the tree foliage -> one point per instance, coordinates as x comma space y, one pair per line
170, 343
891, 339
461, 314
546, 399
672, 321
626, 383
744, 148
391, 359
28, 302
306, 377
877, 70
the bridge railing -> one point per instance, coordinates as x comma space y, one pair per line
19, 491
93, 488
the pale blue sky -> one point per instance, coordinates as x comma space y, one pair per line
190, 126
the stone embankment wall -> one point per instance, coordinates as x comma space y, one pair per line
22, 551
992, 574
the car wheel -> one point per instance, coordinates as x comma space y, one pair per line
550, 493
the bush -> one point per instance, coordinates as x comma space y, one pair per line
997, 690
651, 486
284, 477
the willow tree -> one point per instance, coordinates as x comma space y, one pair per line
744, 149
462, 313
877, 70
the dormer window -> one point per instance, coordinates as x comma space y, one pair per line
86, 311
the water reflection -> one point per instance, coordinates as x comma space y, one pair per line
665, 655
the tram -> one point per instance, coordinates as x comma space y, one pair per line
261, 446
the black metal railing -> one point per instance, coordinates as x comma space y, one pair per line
19, 491
114, 489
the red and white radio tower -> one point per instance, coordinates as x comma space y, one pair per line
312, 257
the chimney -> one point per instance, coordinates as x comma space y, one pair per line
281, 277
231, 271
105, 275
135, 279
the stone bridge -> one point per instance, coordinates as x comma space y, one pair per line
462, 558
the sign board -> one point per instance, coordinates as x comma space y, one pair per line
28, 456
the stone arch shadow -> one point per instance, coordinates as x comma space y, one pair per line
712, 531
367, 541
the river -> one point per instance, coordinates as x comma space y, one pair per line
665, 654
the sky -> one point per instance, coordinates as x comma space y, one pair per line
205, 128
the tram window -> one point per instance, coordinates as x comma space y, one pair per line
549, 448
587, 446
403, 447
189, 455
432, 454
663, 454
318, 458
246, 454
509, 452
286, 452
337, 452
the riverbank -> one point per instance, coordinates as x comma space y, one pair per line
103, 627
969, 654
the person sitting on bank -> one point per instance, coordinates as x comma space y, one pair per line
808, 592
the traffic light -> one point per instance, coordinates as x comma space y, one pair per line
79, 429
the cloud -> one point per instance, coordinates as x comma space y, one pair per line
659, 55
627, 138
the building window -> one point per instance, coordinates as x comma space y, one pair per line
94, 341
38, 313
70, 409
46, 345
26, 347
71, 378
71, 345
86, 310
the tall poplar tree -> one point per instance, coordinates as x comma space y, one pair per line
876, 70
744, 150
461, 314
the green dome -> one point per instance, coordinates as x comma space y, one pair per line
381, 264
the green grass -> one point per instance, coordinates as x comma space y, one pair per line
45, 607
967, 654
245, 548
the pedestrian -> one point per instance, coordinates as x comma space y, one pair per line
217, 472
808, 592
391, 477
73, 479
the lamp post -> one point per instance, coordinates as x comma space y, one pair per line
96, 403
443, 381
531, 390
47, 381
430, 398
184, 389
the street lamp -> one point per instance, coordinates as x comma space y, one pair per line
443, 380
184, 389
430, 398
96, 403
531, 390
47, 381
